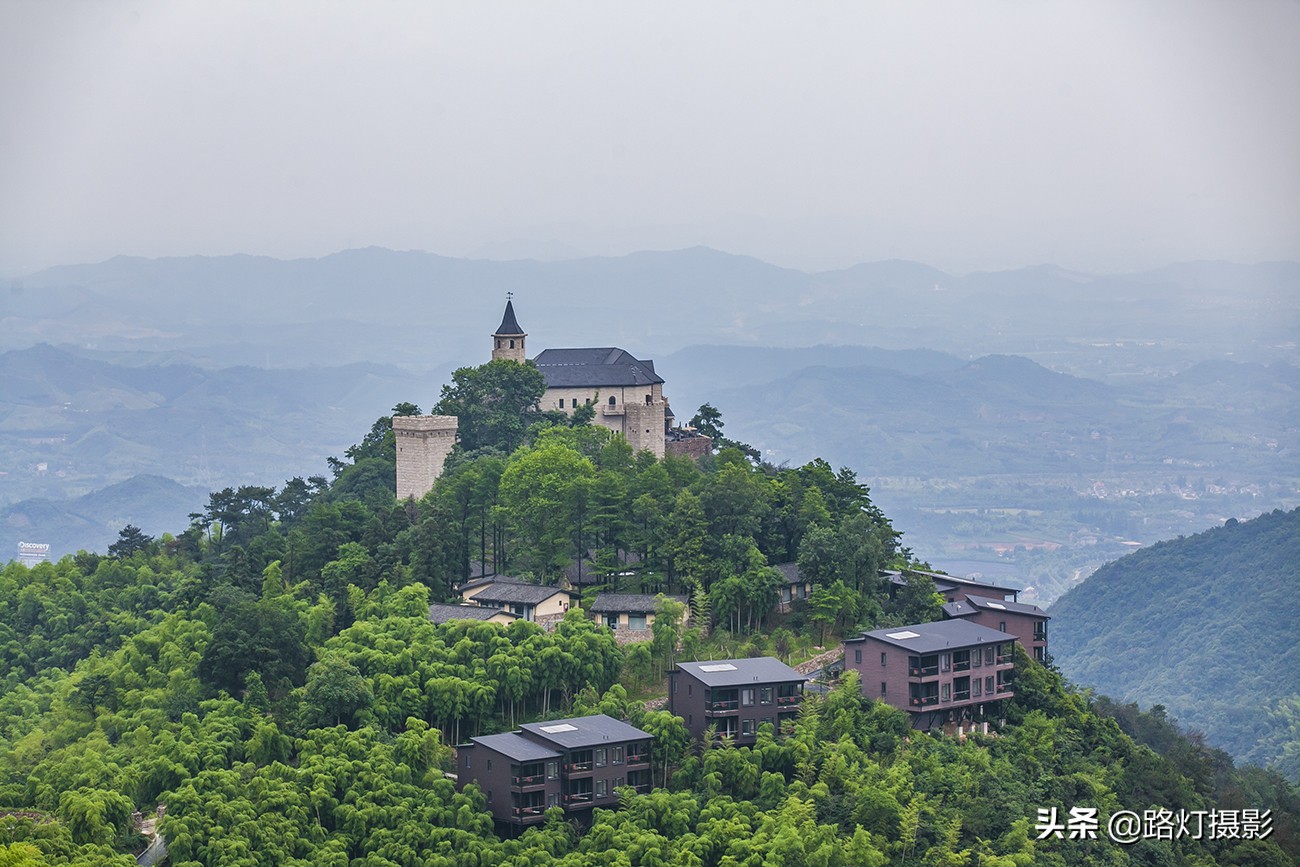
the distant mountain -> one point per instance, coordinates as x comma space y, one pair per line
416, 308
1207, 626
70, 424
91, 522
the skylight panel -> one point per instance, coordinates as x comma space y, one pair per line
998, 605
898, 636
557, 729
722, 666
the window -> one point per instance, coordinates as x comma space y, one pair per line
988, 655
621, 781
857, 656
945, 692
765, 695
469, 760
884, 687
882, 660
674, 684
636, 621
489, 767
689, 687
988, 685
489, 796
512, 344
747, 697
647, 400
612, 400
945, 662
976, 658
616, 755
977, 687
747, 727
1002, 626
1038, 653
561, 403
600, 757
552, 770
553, 800
602, 788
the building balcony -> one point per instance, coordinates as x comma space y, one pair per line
606, 409
932, 671
634, 759
579, 767
788, 700
525, 782
961, 696
730, 704
643, 789
923, 701
578, 798
526, 814
1004, 689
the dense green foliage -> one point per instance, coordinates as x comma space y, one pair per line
1206, 626
271, 675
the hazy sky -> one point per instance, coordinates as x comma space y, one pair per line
1098, 135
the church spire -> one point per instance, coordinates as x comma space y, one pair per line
508, 339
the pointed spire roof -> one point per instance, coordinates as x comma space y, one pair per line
509, 325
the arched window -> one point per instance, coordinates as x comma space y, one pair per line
512, 344
612, 401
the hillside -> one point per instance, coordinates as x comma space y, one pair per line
1207, 626
273, 676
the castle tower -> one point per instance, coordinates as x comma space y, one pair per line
423, 443
508, 340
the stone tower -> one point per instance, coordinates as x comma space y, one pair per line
423, 443
508, 340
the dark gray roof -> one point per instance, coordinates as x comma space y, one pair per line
952, 581
490, 579
790, 571
998, 604
520, 594
940, 635
586, 731
517, 747
597, 366
757, 669
509, 325
638, 602
444, 613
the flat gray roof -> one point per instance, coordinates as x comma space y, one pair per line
516, 746
741, 672
940, 635
998, 604
584, 731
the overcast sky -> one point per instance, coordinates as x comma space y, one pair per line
968, 135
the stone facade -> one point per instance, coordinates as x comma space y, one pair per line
423, 443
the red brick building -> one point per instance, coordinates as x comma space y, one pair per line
735, 696
952, 674
1028, 623
574, 764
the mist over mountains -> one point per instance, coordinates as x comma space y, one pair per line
1030, 424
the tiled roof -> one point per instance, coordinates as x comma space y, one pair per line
520, 594
790, 571
738, 672
940, 635
445, 613
594, 367
634, 602
584, 731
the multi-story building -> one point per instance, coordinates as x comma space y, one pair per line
1028, 623
735, 696
951, 588
952, 674
574, 764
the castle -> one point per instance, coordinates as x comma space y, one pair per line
625, 392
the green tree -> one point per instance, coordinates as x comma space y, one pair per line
495, 403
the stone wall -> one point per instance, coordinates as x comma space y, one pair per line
692, 447
423, 443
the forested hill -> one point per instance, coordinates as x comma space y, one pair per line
1208, 626
272, 675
